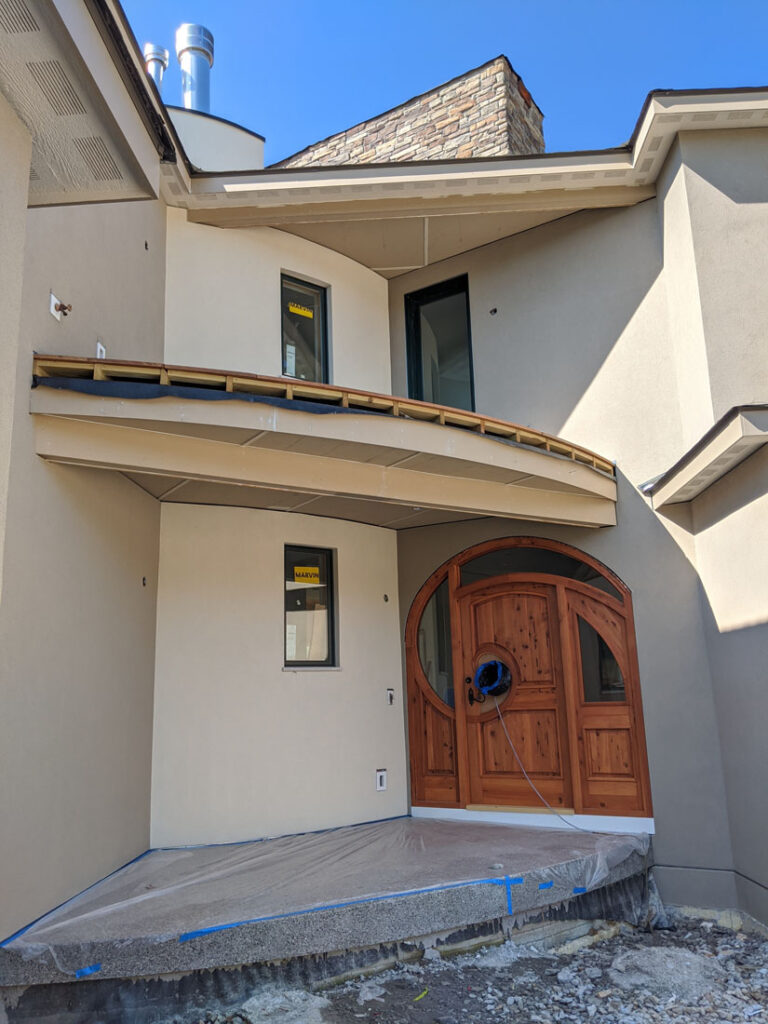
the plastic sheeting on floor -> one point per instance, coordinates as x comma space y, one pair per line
181, 895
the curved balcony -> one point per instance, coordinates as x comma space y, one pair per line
204, 436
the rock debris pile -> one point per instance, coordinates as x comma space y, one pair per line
695, 971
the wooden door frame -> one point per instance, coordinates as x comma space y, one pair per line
450, 570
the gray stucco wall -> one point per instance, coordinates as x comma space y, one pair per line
729, 521
581, 346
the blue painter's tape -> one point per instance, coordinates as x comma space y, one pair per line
508, 887
546, 885
578, 889
516, 881
188, 936
85, 971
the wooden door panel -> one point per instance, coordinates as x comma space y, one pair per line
608, 754
441, 744
611, 744
534, 734
513, 624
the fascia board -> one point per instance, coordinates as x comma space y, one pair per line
637, 164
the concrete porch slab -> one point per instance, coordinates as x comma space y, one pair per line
277, 899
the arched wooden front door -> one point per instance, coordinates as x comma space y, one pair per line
561, 624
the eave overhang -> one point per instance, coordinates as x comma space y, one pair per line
735, 437
397, 217
205, 437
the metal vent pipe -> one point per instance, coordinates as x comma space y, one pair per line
156, 61
194, 48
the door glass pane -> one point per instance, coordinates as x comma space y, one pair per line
434, 643
440, 363
308, 607
527, 560
304, 331
600, 671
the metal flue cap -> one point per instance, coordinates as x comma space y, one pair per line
158, 53
194, 37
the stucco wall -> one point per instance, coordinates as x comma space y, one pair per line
77, 622
581, 346
729, 521
223, 302
727, 189
108, 261
14, 182
242, 748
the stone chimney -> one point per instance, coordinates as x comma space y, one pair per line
485, 112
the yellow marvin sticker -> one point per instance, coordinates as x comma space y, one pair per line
294, 307
306, 574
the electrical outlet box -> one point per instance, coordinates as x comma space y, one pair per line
390, 696
54, 302
381, 780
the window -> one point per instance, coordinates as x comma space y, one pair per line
309, 618
304, 319
600, 672
439, 344
434, 640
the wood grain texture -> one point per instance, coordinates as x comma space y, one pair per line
589, 756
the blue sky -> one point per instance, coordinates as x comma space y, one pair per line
298, 71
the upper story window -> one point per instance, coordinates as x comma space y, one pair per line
305, 330
439, 344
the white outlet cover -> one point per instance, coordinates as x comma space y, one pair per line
52, 307
101, 350
381, 780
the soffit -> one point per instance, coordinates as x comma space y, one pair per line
80, 153
442, 209
732, 440
368, 458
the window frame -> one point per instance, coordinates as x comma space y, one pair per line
413, 301
322, 291
330, 661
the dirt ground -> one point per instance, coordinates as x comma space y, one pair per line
695, 971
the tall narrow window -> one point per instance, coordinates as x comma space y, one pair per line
439, 344
309, 618
305, 330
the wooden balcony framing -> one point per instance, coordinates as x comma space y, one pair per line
288, 388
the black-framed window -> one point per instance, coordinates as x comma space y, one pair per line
439, 344
309, 606
304, 316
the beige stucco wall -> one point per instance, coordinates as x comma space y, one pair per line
77, 621
582, 345
223, 302
727, 189
108, 261
242, 748
14, 183
729, 521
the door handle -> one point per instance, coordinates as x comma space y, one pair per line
471, 697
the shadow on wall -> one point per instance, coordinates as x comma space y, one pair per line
689, 798
727, 523
564, 294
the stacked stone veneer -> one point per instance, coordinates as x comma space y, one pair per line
486, 112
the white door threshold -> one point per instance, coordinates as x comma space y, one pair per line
541, 819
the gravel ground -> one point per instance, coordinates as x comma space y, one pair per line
695, 971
